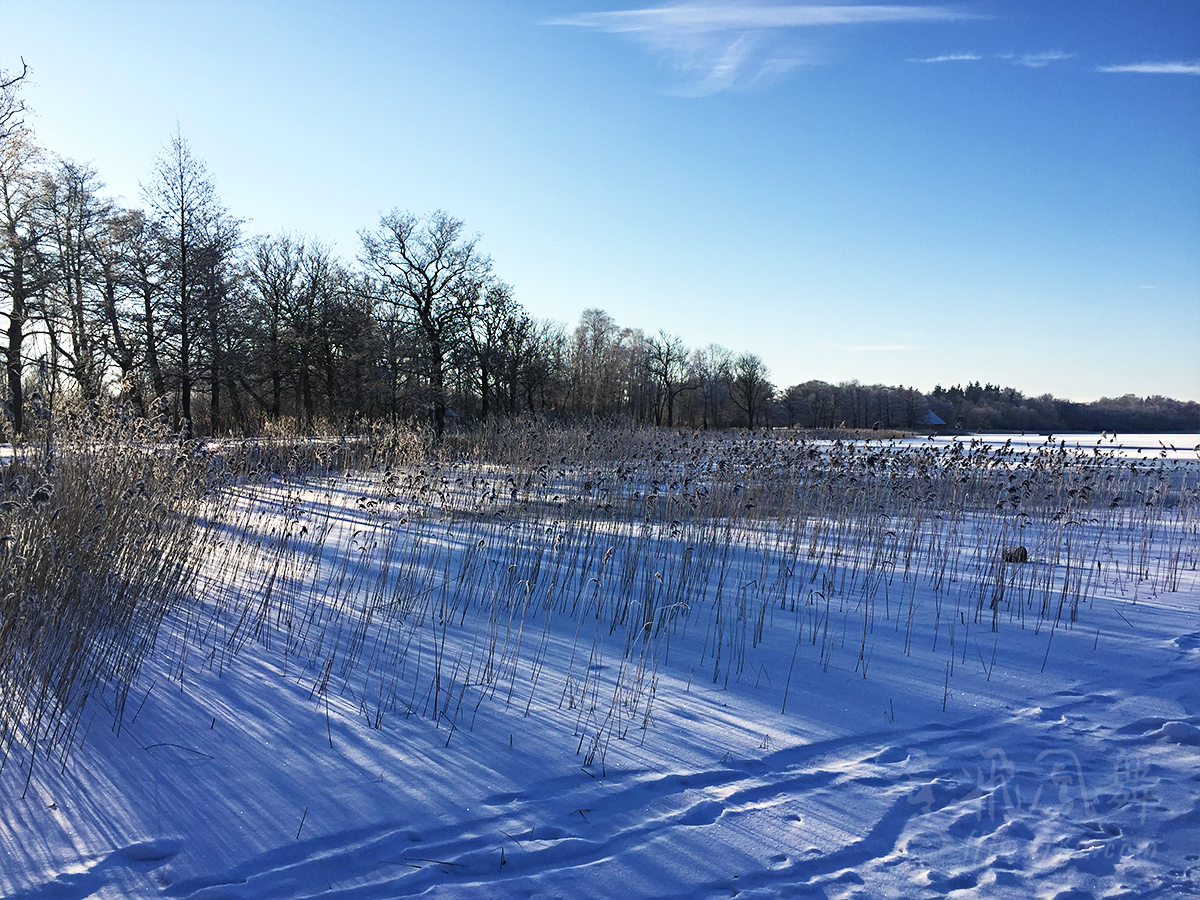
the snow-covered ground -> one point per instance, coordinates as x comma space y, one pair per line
595, 681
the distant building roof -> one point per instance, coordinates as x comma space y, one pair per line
930, 418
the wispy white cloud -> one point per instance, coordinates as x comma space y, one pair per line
879, 348
949, 57
721, 70
724, 45
717, 17
1156, 68
1035, 60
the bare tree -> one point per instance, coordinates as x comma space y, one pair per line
217, 284
668, 360
194, 232
73, 305
634, 391
428, 274
145, 273
751, 387
322, 281
116, 281
488, 333
12, 107
273, 270
594, 349
22, 274
710, 371
535, 363
350, 350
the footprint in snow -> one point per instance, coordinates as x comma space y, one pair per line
1177, 733
1112, 829
964, 881
1017, 830
1188, 641
150, 851
704, 813
888, 756
502, 799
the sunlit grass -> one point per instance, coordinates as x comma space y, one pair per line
96, 548
559, 570
430, 581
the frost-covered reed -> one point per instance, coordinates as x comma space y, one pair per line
553, 570
96, 535
431, 580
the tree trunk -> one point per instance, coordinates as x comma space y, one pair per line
124, 353
214, 356
276, 373
13, 361
306, 392
158, 384
439, 404
485, 393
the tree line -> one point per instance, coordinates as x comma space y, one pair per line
171, 308
990, 407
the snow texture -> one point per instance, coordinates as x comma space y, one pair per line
368, 699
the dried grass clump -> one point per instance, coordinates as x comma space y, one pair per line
94, 549
429, 578
399, 574
289, 453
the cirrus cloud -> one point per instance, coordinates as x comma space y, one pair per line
724, 45
1156, 68
949, 57
878, 348
1035, 60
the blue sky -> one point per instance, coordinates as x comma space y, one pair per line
907, 194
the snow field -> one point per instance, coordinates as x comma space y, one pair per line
713, 668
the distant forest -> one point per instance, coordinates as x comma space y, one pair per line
170, 308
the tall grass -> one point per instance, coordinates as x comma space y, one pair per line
429, 580
95, 547
556, 570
